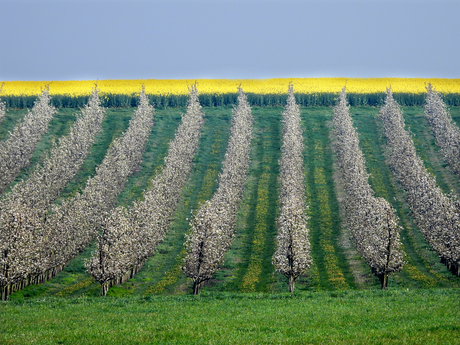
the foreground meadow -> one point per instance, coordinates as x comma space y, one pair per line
399, 316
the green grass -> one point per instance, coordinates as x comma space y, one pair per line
330, 269
254, 242
396, 316
57, 127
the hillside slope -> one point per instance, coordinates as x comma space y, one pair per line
248, 264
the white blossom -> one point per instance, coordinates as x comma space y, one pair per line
436, 214
2, 109
25, 210
74, 223
446, 132
372, 221
130, 236
17, 150
292, 257
213, 225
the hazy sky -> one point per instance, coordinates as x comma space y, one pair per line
180, 39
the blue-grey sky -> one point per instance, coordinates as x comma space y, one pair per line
192, 39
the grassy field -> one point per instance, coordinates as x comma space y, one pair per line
401, 316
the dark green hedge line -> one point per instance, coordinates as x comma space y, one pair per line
320, 99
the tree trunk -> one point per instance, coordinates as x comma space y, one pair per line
4, 292
104, 288
291, 283
383, 280
196, 287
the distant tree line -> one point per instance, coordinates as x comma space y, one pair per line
216, 100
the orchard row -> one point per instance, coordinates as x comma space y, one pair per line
39, 237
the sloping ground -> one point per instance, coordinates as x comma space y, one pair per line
248, 264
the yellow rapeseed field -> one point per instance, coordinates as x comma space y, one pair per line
225, 86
